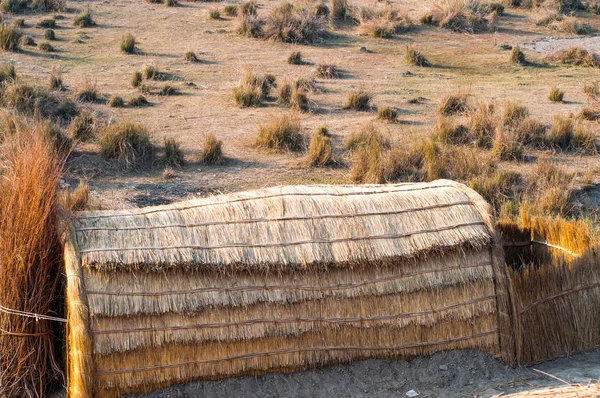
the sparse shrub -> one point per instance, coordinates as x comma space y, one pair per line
575, 56
556, 95
8, 74
327, 71
116, 102
167, 90
415, 57
482, 126
253, 89
128, 44
514, 113
280, 133
190, 56
136, 79
591, 91
137, 101
46, 47
84, 20
212, 150
173, 153
87, 92
214, 13
506, 148
49, 34
10, 37
359, 100
13, 6
249, 26
248, 8
27, 41
127, 142
299, 101
560, 135
340, 10
230, 10
387, 114
453, 104
55, 79
364, 136
46, 23
289, 25
84, 127
150, 72
320, 152
384, 22
284, 92
295, 58
517, 56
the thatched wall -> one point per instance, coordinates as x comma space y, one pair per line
282, 279
555, 270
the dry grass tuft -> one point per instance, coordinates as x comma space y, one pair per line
517, 57
127, 142
453, 104
327, 71
447, 131
363, 137
30, 263
212, 150
387, 114
464, 16
190, 56
359, 100
384, 22
87, 92
249, 26
556, 95
173, 153
288, 24
84, 20
137, 101
84, 127
253, 89
214, 13
415, 57
128, 44
230, 10
8, 74
506, 147
340, 10
591, 91
575, 56
295, 58
299, 100
560, 136
514, 113
320, 152
482, 125
78, 199
116, 102
49, 34
46, 47
280, 133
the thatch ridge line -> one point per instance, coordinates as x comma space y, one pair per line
276, 219
159, 209
283, 244
298, 320
558, 295
290, 287
296, 350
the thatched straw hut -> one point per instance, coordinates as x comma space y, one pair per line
281, 279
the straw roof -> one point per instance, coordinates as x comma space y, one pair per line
281, 279
286, 227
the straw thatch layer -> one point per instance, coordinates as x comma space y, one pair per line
284, 279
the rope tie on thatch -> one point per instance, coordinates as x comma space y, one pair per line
286, 194
539, 242
277, 219
287, 287
297, 320
297, 351
24, 314
558, 295
283, 244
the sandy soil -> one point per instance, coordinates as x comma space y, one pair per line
446, 374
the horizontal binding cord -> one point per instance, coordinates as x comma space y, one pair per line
287, 287
297, 320
276, 219
294, 351
141, 213
280, 244
37, 317
555, 296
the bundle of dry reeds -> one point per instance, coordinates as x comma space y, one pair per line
30, 261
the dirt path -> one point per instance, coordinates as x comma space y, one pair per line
446, 374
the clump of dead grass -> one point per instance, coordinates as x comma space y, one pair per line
383, 22
517, 57
359, 100
280, 133
84, 127
453, 104
127, 142
288, 24
128, 44
414, 57
212, 150
464, 16
253, 89
173, 156
556, 95
575, 56
320, 150
327, 71
387, 114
